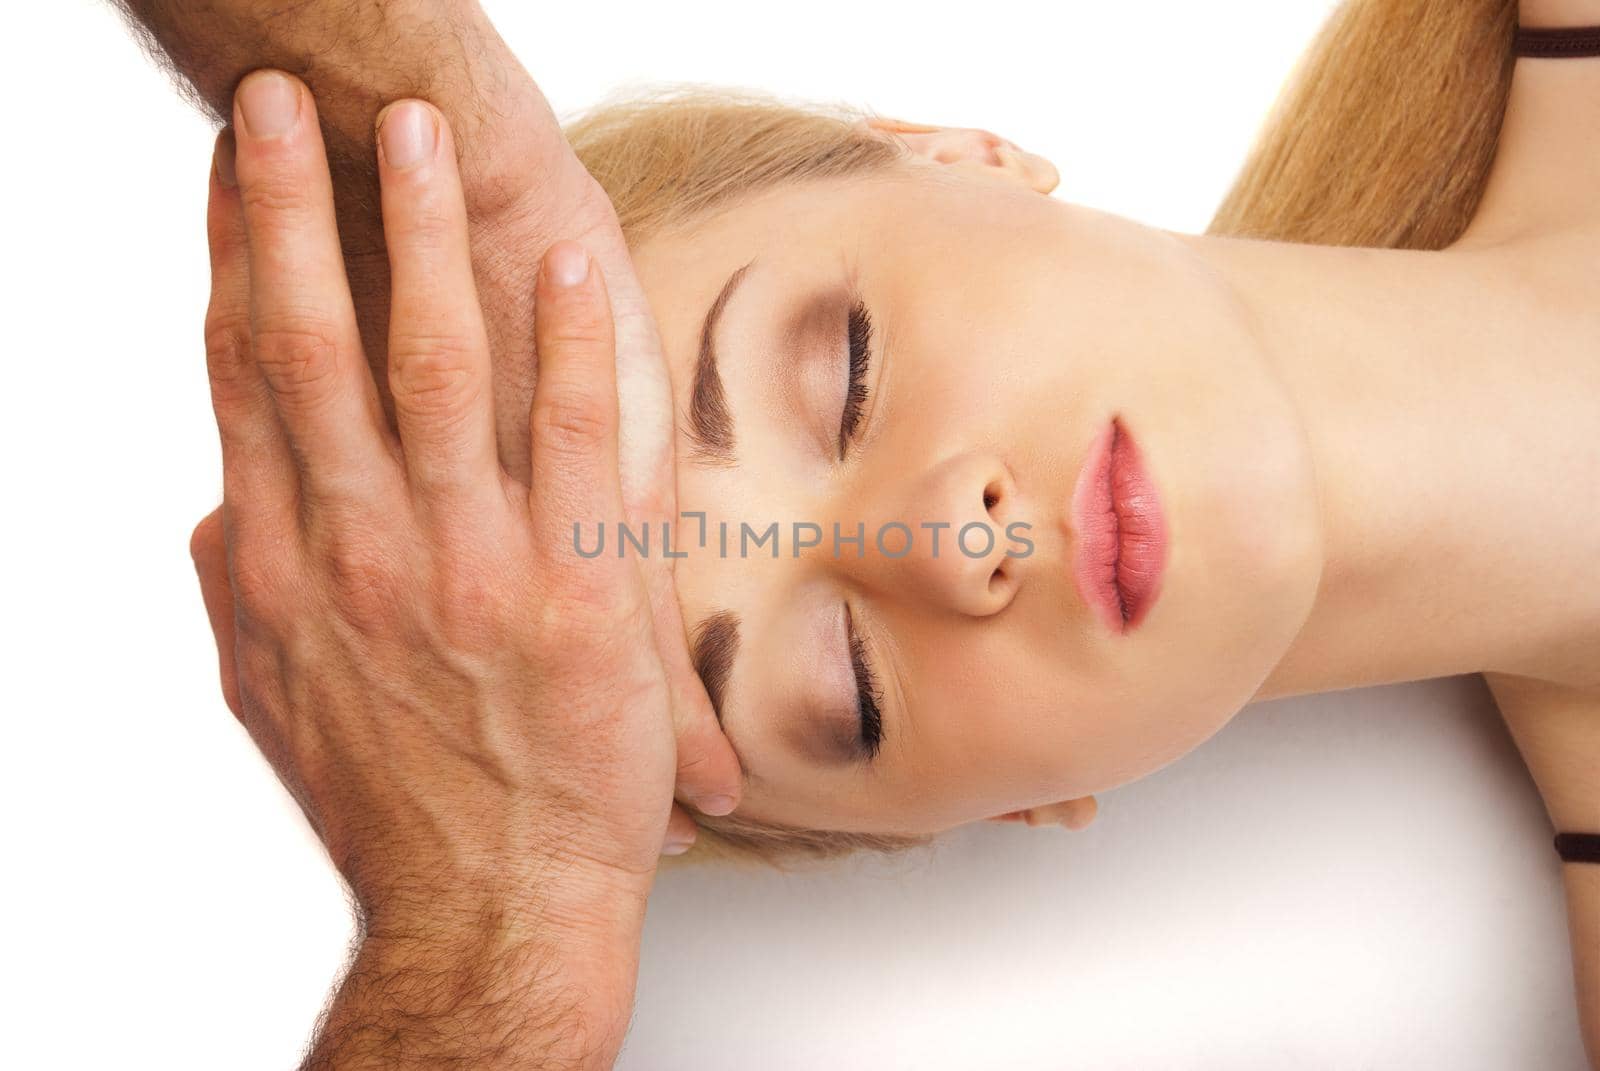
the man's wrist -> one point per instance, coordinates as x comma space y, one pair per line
596, 903
543, 981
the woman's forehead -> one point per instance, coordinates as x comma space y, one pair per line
780, 217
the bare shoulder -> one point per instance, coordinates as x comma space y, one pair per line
1560, 12
1557, 729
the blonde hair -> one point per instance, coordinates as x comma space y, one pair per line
1385, 132
1383, 136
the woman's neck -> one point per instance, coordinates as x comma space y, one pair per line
1452, 403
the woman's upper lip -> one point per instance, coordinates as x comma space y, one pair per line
1120, 533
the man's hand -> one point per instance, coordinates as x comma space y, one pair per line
473, 717
524, 189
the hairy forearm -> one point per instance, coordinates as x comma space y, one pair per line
555, 996
524, 186
357, 55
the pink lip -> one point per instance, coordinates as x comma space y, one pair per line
1121, 533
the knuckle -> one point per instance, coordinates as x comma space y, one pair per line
565, 575
362, 576
223, 234
207, 535
580, 329
432, 374
297, 354
260, 584
274, 196
474, 606
423, 224
227, 342
544, 618
691, 766
573, 420
258, 685
563, 624
588, 608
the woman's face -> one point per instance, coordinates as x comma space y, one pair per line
1006, 331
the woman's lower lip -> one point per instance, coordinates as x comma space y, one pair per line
1120, 535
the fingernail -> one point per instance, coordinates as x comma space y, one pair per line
716, 805
269, 103
676, 847
222, 159
568, 265
408, 133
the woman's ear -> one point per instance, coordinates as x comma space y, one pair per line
965, 145
1073, 814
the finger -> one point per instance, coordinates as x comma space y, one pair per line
438, 349
257, 472
708, 774
210, 554
578, 320
303, 326
708, 770
681, 831
573, 420
1079, 813
1074, 814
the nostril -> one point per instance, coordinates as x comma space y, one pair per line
991, 497
997, 579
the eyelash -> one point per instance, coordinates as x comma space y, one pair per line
867, 694
858, 329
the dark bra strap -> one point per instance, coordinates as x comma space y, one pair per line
1567, 42
1578, 847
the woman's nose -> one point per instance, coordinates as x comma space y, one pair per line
956, 537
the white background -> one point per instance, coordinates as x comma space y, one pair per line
1358, 880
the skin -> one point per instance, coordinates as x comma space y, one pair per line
1010, 341
1320, 537
1377, 466
524, 189
1540, 204
495, 811
1509, 268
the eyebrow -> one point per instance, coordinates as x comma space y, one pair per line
710, 420
712, 649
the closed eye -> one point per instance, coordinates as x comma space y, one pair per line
858, 332
868, 697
